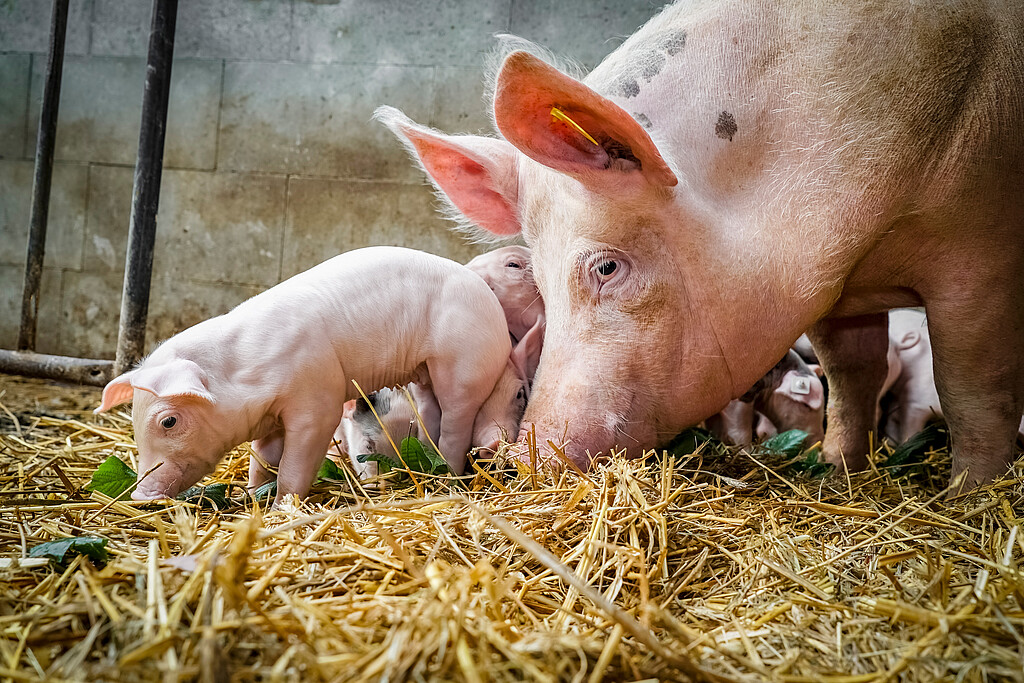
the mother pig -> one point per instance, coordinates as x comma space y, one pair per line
738, 172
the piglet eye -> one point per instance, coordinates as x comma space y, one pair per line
168, 422
522, 394
607, 268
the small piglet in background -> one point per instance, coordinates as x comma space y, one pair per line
909, 395
508, 273
279, 367
790, 396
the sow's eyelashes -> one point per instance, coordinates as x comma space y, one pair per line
607, 269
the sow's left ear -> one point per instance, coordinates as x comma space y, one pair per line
527, 91
180, 377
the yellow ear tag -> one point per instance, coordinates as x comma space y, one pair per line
562, 116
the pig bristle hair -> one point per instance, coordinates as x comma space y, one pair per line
507, 44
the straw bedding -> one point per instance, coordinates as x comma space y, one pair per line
712, 566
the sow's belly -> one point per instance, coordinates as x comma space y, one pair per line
854, 300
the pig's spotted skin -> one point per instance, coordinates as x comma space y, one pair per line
726, 126
643, 120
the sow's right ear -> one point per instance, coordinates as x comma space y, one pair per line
117, 391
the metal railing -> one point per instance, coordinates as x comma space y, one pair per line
131, 334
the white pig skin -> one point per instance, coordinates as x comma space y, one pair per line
279, 367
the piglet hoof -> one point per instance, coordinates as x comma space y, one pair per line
288, 502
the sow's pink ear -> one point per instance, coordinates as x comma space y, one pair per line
478, 175
179, 377
527, 90
118, 390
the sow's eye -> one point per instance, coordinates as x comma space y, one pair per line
607, 270
168, 422
513, 264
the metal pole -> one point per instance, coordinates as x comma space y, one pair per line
131, 334
45, 139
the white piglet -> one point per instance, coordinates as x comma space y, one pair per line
279, 367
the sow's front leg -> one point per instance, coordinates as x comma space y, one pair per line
852, 352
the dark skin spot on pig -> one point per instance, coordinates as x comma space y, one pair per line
651, 65
726, 126
672, 42
625, 86
643, 120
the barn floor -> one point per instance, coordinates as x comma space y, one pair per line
726, 566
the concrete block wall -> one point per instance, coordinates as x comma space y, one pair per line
271, 164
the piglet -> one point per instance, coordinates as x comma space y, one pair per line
509, 273
790, 396
362, 432
279, 367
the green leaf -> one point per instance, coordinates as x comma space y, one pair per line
413, 455
789, 443
329, 470
688, 441
384, 463
912, 452
90, 546
215, 495
811, 464
112, 477
438, 465
266, 491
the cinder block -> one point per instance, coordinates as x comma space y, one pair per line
12, 281
25, 26
443, 32
315, 119
90, 308
176, 304
220, 227
225, 29
584, 30
101, 109
66, 217
459, 104
14, 77
107, 218
328, 217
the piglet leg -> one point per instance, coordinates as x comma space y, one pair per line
852, 352
306, 440
430, 411
269, 448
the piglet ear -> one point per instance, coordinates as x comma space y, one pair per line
118, 390
806, 389
526, 354
180, 377
908, 340
478, 175
561, 123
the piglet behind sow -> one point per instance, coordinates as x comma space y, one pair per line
279, 367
